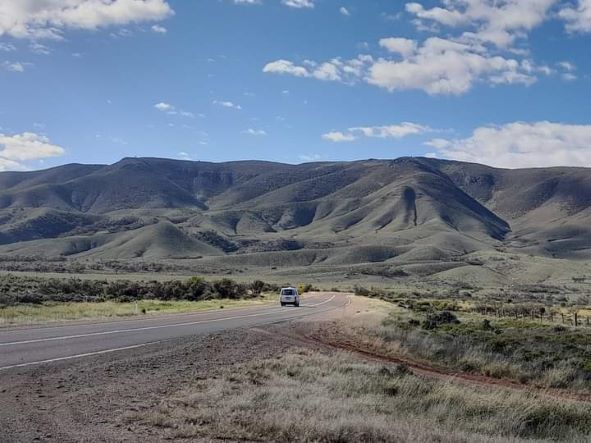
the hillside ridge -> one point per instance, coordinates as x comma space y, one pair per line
359, 211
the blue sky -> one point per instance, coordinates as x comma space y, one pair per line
502, 82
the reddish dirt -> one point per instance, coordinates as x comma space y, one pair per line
331, 336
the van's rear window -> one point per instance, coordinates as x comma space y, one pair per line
287, 292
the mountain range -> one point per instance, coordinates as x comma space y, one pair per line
272, 214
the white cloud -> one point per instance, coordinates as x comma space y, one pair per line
159, 29
184, 155
569, 77
344, 11
578, 18
172, 110
7, 47
441, 66
521, 144
491, 21
391, 131
122, 33
338, 137
248, 2
567, 66
437, 66
19, 148
255, 132
285, 67
298, 3
12, 66
403, 46
164, 106
388, 131
39, 49
346, 71
227, 104
49, 18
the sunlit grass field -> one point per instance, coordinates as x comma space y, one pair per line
31, 314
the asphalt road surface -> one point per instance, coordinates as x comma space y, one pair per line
23, 347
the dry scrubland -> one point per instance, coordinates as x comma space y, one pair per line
309, 396
522, 350
39, 299
544, 343
525, 380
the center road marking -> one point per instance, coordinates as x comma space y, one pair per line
148, 328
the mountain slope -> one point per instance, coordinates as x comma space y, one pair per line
332, 212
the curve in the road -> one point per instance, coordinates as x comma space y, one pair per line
34, 346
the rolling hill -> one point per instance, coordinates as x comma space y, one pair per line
408, 210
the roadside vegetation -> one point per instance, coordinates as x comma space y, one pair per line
35, 290
543, 344
25, 300
29, 314
308, 396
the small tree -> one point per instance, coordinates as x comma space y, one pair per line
257, 287
305, 287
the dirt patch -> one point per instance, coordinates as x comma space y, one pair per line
82, 400
334, 336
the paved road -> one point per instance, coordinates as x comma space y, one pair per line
22, 347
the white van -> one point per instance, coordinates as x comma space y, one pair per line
289, 296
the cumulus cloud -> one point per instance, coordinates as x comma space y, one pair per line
442, 66
38, 48
164, 106
578, 18
491, 21
389, 131
346, 71
403, 46
338, 137
159, 29
286, 67
298, 3
521, 144
227, 104
437, 66
12, 66
17, 149
49, 18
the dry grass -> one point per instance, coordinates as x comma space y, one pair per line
30, 314
541, 354
306, 396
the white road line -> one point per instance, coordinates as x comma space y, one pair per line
324, 302
13, 329
147, 328
90, 322
88, 354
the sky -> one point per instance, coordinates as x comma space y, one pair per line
501, 82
